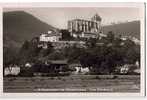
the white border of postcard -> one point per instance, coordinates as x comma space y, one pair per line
141, 6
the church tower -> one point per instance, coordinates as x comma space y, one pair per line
96, 18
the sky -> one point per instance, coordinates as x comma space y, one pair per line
58, 17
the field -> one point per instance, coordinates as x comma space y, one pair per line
73, 83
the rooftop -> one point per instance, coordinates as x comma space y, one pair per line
96, 17
58, 61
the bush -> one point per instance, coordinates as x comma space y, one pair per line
11, 75
97, 77
26, 72
115, 77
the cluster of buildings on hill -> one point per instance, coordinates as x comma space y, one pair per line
78, 28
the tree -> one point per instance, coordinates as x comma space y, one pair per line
9, 56
132, 52
30, 51
72, 53
45, 52
87, 60
110, 36
91, 43
23, 52
56, 56
65, 34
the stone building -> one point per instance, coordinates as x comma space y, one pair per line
85, 28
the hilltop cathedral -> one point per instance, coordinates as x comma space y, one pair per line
85, 28
78, 28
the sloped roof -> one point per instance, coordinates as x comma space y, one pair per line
50, 34
58, 61
75, 65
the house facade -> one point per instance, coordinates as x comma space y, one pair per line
49, 37
11, 70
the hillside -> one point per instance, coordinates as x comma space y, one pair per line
19, 26
124, 29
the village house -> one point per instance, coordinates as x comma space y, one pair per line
51, 67
129, 68
79, 69
11, 70
58, 65
50, 36
134, 39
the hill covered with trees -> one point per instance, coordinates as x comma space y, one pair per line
124, 29
19, 26
101, 56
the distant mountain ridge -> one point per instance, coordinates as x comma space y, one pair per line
124, 29
19, 26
